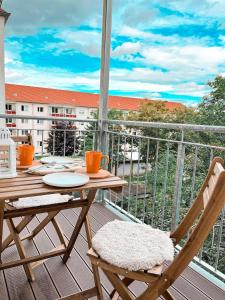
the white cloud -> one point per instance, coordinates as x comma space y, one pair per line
203, 60
84, 41
126, 48
210, 8
191, 88
29, 16
189, 61
184, 63
148, 37
140, 81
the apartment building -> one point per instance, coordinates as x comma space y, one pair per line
37, 101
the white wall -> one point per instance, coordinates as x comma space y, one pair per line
2, 70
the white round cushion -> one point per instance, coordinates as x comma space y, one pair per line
133, 246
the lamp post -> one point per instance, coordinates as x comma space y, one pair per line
3, 18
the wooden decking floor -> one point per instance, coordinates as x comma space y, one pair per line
54, 279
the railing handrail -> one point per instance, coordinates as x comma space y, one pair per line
44, 118
159, 125
174, 126
138, 136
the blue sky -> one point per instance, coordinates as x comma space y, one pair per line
160, 49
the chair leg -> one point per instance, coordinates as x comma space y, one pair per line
2, 206
19, 228
20, 248
114, 294
118, 284
94, 268
59, 232
167, 296
43, 223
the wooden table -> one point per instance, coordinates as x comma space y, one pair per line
25, 185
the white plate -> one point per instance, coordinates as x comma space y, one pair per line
58, 160
65, 179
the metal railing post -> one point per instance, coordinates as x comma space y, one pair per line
104, 79
178, 185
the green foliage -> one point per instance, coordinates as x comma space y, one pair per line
212, 108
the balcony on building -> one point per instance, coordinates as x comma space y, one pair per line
10, 109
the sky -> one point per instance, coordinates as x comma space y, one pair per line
161, 49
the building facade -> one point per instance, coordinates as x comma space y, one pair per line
44, 102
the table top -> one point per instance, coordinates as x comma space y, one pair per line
26, 185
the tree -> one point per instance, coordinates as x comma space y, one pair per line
63, 139
156, 111
212, 108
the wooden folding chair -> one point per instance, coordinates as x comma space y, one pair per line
14, 208
197, 224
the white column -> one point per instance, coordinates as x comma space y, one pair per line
104, 77
2, 70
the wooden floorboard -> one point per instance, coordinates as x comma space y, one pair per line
54, 279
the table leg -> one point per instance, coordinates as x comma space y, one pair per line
94, 268
27, 267
2, 206
81, 219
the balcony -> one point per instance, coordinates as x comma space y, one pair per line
163, 176
11, 125
70, 116
57, 115
10, 112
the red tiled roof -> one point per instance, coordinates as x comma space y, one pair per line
22, 93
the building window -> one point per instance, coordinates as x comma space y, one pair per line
55, 110
40, 109
69, 111
24, 121
24, 107
24, 132
8, 106
40, 121
8, 121
81, 112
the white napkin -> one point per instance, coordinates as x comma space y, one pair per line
54, 168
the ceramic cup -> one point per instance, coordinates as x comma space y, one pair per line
93, 161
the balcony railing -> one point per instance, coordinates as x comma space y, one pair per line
10, 112
164, 169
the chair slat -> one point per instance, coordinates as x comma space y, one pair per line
156, 270
206, 197
20, 138
212, 183
218, 169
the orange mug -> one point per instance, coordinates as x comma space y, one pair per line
26, 155
93, 161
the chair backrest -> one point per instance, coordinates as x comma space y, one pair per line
27, 139
203, 215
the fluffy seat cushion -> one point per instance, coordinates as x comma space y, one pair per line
40, 200
133, 246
